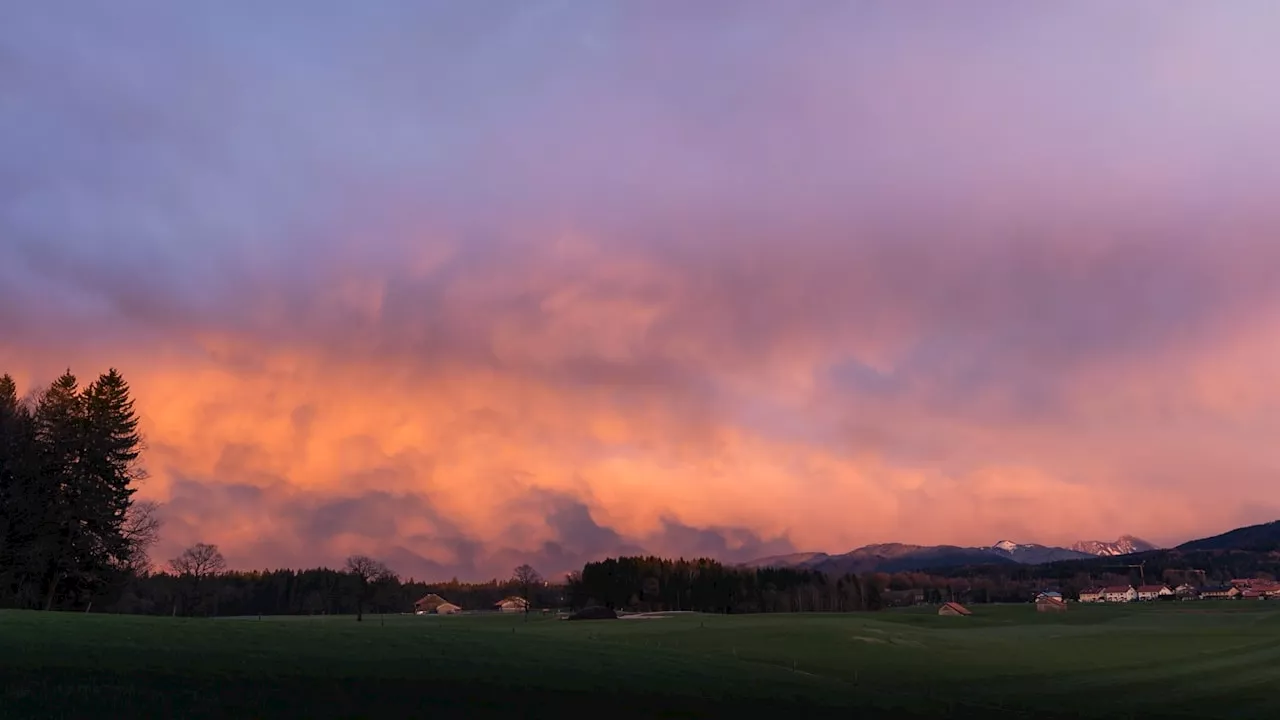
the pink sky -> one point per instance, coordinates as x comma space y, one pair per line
463, 287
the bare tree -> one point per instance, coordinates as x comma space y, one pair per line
527, 578
141, 531
198, 562
367, 573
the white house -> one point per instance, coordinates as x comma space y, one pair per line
1119, 593
1186, 590
1153, 592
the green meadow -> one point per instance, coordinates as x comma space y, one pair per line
1201, 660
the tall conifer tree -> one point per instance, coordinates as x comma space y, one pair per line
112, 446
58, 487
10, 497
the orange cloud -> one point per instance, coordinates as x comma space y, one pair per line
573, 441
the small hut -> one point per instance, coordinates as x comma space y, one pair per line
1050, 602
953, 609
447, 609
428, 604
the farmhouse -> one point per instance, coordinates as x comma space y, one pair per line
1119, 593
1186, 590
953, 608
1092, 595
1153, 592
428, 604
511, 604
447, 609
899, 598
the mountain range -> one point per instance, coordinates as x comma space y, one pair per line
898, 557
1126, 545
1264, 538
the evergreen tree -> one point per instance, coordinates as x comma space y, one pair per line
67, 470
112, 446
14, 426
57, 489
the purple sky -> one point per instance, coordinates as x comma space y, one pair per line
464, 284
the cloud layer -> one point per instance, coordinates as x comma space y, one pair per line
469, 286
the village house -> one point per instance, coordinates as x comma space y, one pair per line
900, 598
1092, 595
1119, 593
1220, 592
1154, 592
1186, 591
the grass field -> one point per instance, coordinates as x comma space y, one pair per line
1202, 660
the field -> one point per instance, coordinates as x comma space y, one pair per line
1201, 660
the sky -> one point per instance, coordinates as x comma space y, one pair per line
465, 285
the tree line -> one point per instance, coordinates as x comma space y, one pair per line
363, 587
705, 585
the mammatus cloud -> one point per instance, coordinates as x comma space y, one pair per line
466, 287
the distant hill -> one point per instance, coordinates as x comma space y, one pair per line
900, 557
1255, 538
1254, 549
792, 560
1125, 545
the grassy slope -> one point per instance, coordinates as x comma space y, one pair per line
1200, 660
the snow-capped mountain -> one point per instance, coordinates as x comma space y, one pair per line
1032, 554
1126, 545
898, 557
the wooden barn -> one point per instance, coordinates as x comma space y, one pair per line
1050, 602
953, 609
428, 604
511, 604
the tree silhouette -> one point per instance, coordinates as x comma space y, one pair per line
527, 578
141, 530
198, 562
367, 572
